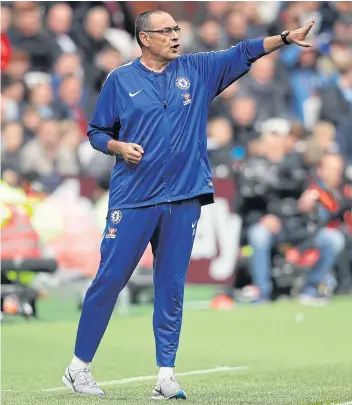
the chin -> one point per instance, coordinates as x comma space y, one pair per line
173, 55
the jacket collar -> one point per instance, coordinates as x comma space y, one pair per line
144, 70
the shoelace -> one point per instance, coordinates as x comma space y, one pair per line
172, 381
85, 377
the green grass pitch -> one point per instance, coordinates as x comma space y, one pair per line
288, 360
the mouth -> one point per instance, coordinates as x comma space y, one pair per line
175, 47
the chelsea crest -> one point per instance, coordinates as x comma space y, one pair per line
116, 216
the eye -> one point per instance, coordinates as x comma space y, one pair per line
167, 31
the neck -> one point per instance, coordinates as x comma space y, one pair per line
150, 62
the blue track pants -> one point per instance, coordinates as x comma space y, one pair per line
171, 229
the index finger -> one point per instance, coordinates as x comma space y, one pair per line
310, 24
138, 147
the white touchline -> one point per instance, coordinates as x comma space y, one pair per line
152, 377
341, 403
338, 403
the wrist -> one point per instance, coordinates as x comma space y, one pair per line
285, 37
115, 147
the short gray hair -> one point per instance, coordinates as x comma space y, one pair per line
143, 23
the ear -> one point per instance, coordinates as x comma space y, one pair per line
144, 37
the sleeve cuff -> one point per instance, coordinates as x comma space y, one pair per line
100, 141
256, 47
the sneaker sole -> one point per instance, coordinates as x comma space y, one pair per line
180, 395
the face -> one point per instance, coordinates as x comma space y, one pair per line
68, 64
49, 134
12, 137
263, 70
110, 59
274, 146
331, 170
220, 131
71, 91
163, 46
308, 57
31, 119
18, 67
60, 18
97, 22
210, 33
237, 25
15, 92
29, 22
243, 111
42, 94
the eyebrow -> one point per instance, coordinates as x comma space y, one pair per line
164, 28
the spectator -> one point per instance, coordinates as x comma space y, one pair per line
29, 36
337, 97
91, 39
45, 155
244, 114
42, 99
12, 139
13, 93
31, 120
105, 61
236, 27
264, 88
330, 240
71, 96
209, 37
59, 23
67, 64
220, 107
305, 82
324, 135
213, 10
18, 66
220, 139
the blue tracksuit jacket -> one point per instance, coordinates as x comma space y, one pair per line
169, 122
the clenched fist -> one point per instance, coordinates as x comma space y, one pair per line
131, 152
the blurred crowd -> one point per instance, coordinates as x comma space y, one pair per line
63, 51
291, 109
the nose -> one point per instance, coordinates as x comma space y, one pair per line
174, 35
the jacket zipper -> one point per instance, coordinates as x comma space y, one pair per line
165, 107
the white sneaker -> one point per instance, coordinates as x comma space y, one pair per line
81, 381
168, 388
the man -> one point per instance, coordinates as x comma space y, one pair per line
326, 197
329, 240
152, 115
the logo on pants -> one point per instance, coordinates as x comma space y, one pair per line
116, 216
